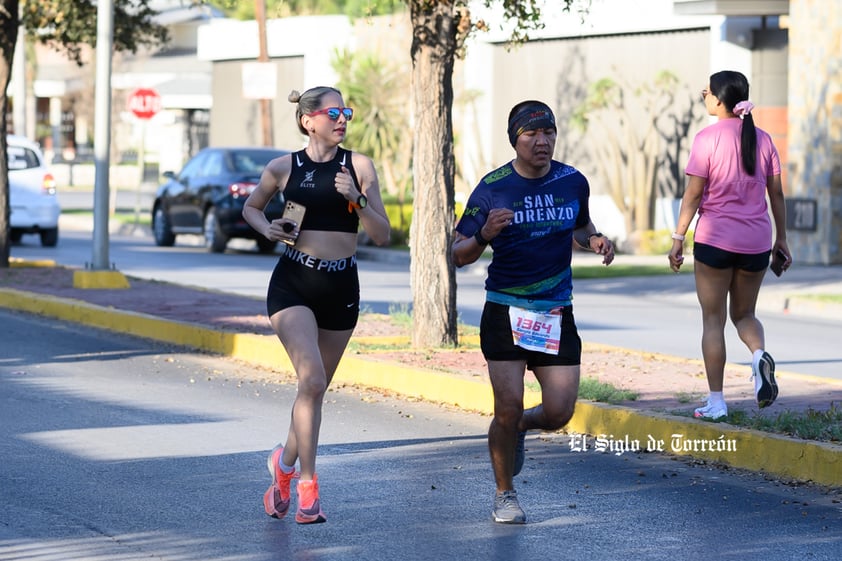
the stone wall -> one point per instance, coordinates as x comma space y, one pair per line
815, 126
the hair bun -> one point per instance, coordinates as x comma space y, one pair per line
294, 96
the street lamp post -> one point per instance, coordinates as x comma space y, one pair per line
263, 56
97, 274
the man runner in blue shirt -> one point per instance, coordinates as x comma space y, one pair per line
530, 211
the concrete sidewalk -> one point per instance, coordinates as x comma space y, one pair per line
616, 429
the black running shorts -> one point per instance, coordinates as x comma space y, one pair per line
497, 343
331, 289
721, 259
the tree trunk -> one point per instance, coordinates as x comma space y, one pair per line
432, 274
8, 37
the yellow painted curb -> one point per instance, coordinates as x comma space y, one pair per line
149, 327
819, 462
17, 262
99, 279
415, 382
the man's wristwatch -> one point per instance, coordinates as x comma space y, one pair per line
595, 234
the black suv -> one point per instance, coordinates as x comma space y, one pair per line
207, 198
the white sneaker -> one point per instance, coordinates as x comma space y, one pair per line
712, 411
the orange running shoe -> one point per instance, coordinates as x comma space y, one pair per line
277, 496
309, 508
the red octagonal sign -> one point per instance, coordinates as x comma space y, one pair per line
144, 103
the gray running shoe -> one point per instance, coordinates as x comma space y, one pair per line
520, 452
765, 387
506, 509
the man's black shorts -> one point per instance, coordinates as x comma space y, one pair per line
497, 342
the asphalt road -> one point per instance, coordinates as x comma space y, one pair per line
117, 448
654, 314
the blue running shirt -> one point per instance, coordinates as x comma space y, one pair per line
530, 266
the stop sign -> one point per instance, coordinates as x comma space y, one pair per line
144, 103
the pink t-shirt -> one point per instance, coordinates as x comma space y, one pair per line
733, 214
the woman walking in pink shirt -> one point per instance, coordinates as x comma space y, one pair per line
732, 167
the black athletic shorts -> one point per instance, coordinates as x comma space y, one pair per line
331, 289
721, 259
497, 343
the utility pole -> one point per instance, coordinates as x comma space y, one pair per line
102, 133
263, 56
97, 274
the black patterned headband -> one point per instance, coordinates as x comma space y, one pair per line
532, 117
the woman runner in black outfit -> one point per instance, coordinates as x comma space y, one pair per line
313, 297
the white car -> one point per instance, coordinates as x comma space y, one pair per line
32, 192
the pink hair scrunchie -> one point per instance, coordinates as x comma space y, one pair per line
743, 108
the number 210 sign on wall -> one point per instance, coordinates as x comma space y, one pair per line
144, 103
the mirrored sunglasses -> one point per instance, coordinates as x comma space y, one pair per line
334, 112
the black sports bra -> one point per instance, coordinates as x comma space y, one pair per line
312, 184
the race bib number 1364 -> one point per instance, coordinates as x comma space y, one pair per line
536, 331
